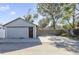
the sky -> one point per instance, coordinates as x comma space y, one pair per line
11, 11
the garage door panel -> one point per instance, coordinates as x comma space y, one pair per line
16, 32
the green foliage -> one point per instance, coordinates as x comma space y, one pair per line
67, 26
50, 10
69, 13
43, 22
30, 17
68, 10
55, 11
35, 16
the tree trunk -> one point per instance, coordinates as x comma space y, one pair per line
73, 22
74, 16
54, 24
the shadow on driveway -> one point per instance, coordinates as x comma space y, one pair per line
68, 44
9, 46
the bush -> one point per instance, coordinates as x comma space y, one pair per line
76, 31
57, 32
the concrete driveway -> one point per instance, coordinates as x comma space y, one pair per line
47, 45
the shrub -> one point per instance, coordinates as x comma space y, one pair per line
57, 32
76, 31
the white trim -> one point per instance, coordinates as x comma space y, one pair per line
28, 32
34, 32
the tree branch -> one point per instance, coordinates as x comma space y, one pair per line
77, 14
77, 9
70, 23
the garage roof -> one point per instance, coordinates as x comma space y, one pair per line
18, 19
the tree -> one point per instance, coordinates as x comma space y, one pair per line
50, 10
54, 11
43, 22
30, 17
69, 13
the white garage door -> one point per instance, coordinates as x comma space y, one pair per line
20, 33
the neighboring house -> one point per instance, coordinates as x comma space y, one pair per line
20, 29
2, 31
1, 26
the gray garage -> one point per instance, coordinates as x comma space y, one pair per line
19, 28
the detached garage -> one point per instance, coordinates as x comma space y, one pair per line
20, 29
